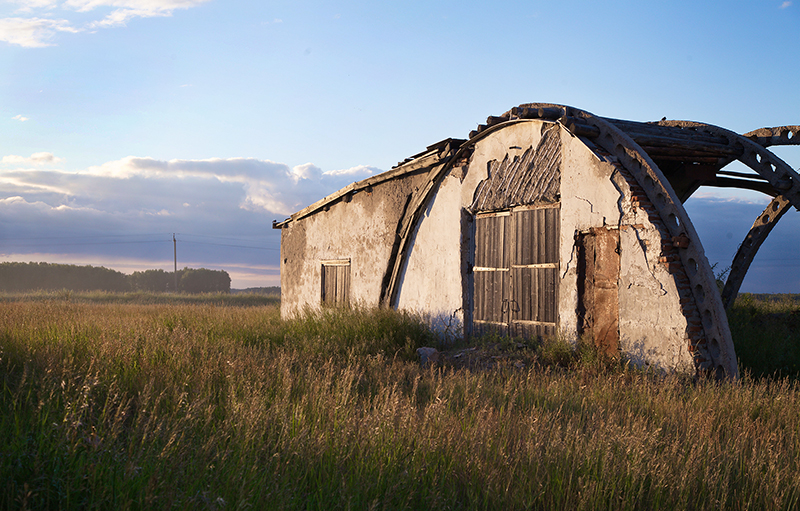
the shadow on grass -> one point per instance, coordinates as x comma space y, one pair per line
766, 334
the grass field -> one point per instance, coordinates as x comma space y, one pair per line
127, 403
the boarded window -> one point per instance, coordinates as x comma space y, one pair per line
516, 271
336, 282
598, 289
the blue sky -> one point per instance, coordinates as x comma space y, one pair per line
123, 121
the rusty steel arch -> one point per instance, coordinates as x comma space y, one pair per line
783, 179
779, 135
765, 137
717, 355
746, 252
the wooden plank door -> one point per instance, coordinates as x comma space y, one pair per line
336, 282
516, 271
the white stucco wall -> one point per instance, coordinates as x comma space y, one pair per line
430, 283
652, 327
362, 230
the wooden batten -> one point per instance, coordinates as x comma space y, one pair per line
679, 144
689, 157
583, 130
642, 129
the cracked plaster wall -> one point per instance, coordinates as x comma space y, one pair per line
652, 326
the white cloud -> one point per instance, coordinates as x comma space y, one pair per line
120, 17
730, 195
31, 5
34, 159
20, 118
38, 32
357, 171
129, 9
145, 187
786, 4
152, 5
32, 32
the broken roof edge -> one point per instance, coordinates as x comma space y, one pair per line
433, 155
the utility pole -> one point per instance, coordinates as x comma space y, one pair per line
175, 253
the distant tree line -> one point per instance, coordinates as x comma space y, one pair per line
23, 277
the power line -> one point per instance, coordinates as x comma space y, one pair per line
219, 237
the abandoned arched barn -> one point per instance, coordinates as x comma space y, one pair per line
547, 219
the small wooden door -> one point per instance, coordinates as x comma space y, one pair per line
516, 271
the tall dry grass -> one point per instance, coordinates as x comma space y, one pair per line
203, 406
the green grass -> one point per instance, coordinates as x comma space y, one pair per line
766, 334
114, 405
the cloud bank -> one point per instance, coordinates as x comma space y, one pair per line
127, 209
722, 222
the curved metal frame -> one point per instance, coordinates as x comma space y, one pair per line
749, 247
765, 137
719, 348
779, 175
779, 135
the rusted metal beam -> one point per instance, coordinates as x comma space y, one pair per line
761, 228
716, 353
781, 178
744, 184
780, 135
